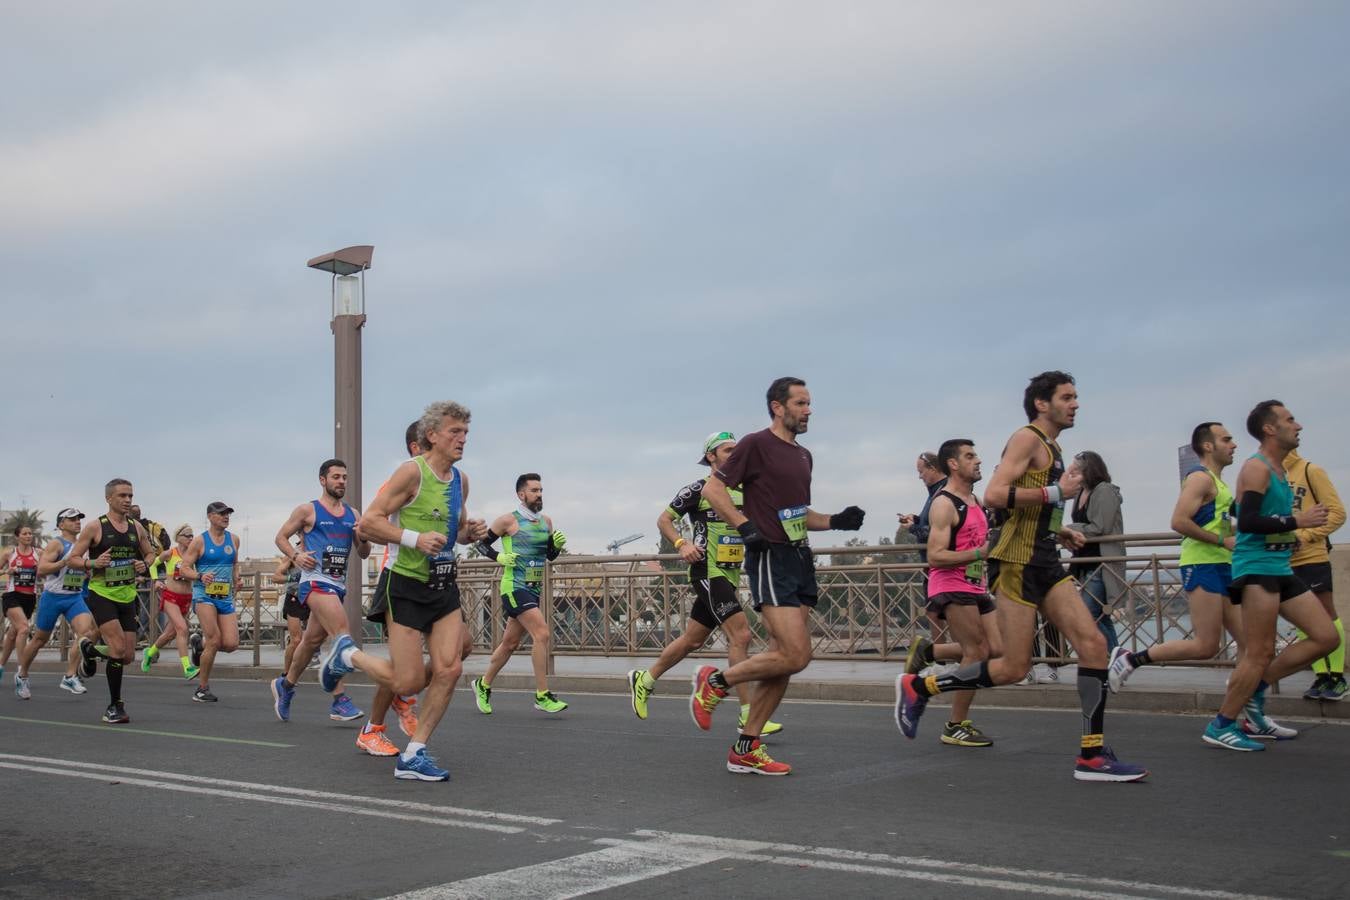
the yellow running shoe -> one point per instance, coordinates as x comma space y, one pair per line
769, 727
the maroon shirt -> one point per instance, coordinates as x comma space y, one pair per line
775, 477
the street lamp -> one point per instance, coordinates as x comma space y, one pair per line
348, 268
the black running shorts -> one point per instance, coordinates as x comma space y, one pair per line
105, 610
1287, 586
782, 575
938, 603
715, 601
413, 605
1317, 576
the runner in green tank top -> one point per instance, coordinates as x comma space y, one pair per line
714, 552
529, 541
1204, 518
113, 549
1265, 586
429, 494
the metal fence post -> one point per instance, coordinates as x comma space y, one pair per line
551, 669
257, 622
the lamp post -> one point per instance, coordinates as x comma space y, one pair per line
348, 268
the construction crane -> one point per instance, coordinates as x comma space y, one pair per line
614, 545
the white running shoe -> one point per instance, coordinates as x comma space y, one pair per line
1046, 674
1118, 669
73, 684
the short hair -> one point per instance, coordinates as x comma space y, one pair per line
526, 479
931, 460
112, 485
437, 413
182, 528
1203, 434
1043, 387
410, 436
331, 464
950, 450
780, 389
1093, 468
1261, 415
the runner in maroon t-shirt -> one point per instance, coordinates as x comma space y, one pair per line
774, 473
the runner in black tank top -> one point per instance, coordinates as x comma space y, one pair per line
1026, 578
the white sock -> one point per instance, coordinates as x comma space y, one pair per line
347, 656
413, 747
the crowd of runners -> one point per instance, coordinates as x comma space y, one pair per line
1249, 556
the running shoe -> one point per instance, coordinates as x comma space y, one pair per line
1319, 683
73, 684
371, 740
420, 768
116, 714
770, 728
1046, 673
1118, 670
1105, 767
189, 670
88, 658
704, 698
916, 658
1230, 737
407, 714
281, 698
333, 668
909, 705
204, 695
1259, 725
482, 695
21, 687
964, 734
195, 645
1273, 731
548, 703
1029, 678
343, 709
756, 762
148, 657
638, 692
1336, 689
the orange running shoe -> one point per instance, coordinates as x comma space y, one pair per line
407, 714
373, 741
756, 762
704, 698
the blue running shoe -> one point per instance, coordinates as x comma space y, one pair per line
909, 705
281, 697
1105, 767
343, 709
1230, 737
420, 768
1259, 725
333, 668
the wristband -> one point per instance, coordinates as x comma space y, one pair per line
679, 542
409, 539
1012, 496
978, 553
1051, 494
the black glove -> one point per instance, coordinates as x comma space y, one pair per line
751, 536
850, 519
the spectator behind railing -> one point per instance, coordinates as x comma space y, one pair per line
1096, 512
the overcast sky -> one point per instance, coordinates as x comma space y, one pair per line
606, 227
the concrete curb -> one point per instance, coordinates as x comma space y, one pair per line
1184, 702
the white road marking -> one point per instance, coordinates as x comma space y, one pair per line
290, 791
574, 876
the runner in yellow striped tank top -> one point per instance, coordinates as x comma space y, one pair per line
1030, 482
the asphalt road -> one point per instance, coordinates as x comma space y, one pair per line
223, 800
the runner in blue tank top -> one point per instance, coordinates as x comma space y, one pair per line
1265, 585
62, 595
327, 531
528, 543
211, 563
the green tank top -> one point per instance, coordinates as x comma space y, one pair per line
436, 508
530, 545
1267, 554
118, 581
1216, 518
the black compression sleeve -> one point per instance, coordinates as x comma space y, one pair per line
484, 547
1251, 521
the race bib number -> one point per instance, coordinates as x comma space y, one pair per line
975, 573
25, 577
218, 589
1057, 519
441, 569
1282, 542
120, 573
794, 522
730, 550
72, 582
534, 572
334, 564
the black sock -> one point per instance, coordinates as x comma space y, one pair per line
716, 680
967, 678
927, 655
745, 743
1092, 695
1140, 659
287, 682
93, 651
114, 672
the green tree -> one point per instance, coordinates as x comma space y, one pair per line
21, 518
